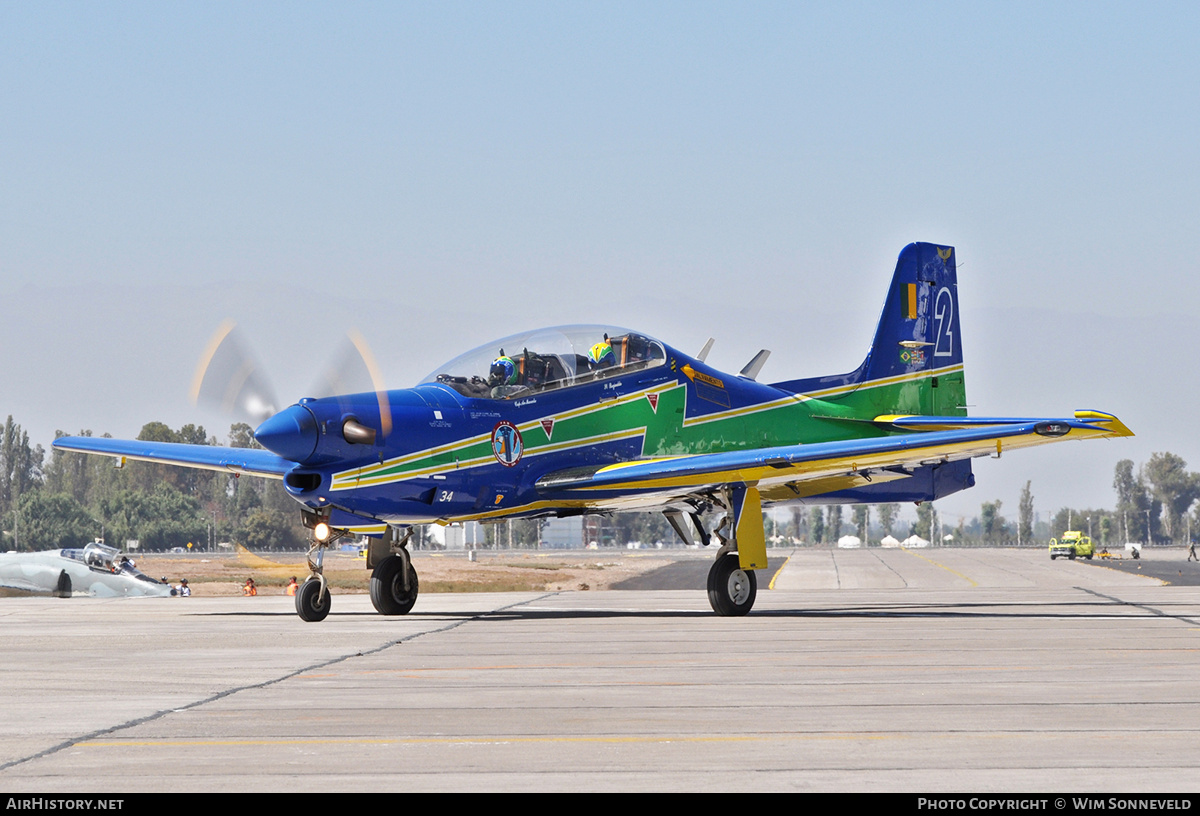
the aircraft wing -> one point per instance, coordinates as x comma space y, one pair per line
921, 440
207, 457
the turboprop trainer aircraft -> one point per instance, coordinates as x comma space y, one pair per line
593, 419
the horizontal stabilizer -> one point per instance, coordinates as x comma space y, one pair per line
1098, 419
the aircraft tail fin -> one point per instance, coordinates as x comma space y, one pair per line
918, 330
915, 364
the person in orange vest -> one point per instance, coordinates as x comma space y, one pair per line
292, 586
249, 588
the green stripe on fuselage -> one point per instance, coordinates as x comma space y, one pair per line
839, 413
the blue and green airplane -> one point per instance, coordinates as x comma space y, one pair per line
592, 419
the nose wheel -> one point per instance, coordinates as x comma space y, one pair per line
312, 600
731, 589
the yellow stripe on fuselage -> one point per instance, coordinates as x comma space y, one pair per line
366, 476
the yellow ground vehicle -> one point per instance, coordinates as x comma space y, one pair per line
1073, 544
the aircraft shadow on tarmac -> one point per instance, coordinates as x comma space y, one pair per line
1102, 606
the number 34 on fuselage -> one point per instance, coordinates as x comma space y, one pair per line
595, 419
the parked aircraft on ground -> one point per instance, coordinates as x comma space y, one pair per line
94, 570
594, 419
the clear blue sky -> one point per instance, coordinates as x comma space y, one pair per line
437, 174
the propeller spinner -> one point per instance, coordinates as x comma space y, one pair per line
230, 378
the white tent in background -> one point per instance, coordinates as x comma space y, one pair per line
889, 541
849, 542
914, 541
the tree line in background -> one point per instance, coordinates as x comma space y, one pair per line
70, 498
73, 498
1156, 503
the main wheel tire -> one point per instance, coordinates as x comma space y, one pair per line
731, 589
307, 606
387, 587
63, 589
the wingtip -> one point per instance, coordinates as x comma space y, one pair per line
1106, 420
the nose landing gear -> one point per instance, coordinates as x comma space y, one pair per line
312, 598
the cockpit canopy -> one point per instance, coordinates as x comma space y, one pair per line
102, 558
545, 359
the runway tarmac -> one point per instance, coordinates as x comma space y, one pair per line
922, 670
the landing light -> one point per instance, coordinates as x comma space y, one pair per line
322, 531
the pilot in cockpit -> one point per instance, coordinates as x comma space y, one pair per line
601, 355
504, 377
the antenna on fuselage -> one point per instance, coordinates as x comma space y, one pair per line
755, 365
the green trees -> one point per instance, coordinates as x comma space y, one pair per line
1025, 515
51, 521
992, 525
20, 465
816, 524
1134, 506
1153, 504
833, 524
926, 521
887, 516
74, 498
1173, 488
862, 518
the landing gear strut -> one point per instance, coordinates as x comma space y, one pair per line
732, 586
312, 598
394, 580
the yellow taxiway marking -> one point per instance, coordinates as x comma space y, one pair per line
484, 740
778, 572
943, 566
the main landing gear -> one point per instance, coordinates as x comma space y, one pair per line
732, 586
394, 580
731, 589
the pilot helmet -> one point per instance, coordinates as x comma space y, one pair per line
601, 354
503, 372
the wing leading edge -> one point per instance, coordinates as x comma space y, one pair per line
923, 441
206, 457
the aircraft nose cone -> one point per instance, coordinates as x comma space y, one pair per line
292, 433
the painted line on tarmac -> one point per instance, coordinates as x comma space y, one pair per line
99, 734
943, 566
492, 740
778, 572
1147, 608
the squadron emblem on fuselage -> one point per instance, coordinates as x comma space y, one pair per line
507, 444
